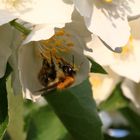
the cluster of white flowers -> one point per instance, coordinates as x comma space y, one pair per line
64, 32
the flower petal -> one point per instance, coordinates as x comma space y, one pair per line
84, 7
109, 26
131, 91
46, 11
6, 16
97, 51
29, 67
78, 26
129, 67
135, 29
134, 9
103, 85
5, 42
13, 61
41, 32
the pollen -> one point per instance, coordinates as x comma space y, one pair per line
70, 44
61, 32
66, 83
129, 47
58, 43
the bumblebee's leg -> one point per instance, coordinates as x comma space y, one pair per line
49, 88
66, 83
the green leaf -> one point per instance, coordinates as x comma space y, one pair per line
3, 103
96, 68
44, 125
115, 101
132, 117
77, 110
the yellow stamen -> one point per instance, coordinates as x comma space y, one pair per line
108, 1
60, 42
129, 47
96, 81
70, 44
126, 50
61, 32
12, 2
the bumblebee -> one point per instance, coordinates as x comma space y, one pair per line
56, 74
47, 73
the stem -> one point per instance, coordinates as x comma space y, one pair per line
20, 27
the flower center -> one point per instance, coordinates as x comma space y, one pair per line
96, 81
108, 1
18, 5
13, 3
127, 50
59, 43
56, 71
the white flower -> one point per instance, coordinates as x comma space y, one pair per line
35, 11
103, 85
131, 91
108, 19
45, 31
6, 38
9, 42
41, 63
126, 63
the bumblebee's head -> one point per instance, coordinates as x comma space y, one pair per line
68, 70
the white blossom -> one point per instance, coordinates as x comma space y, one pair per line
131, 91
126, 63
108, 19
35, 11
6, 38
103, 85
64, 44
